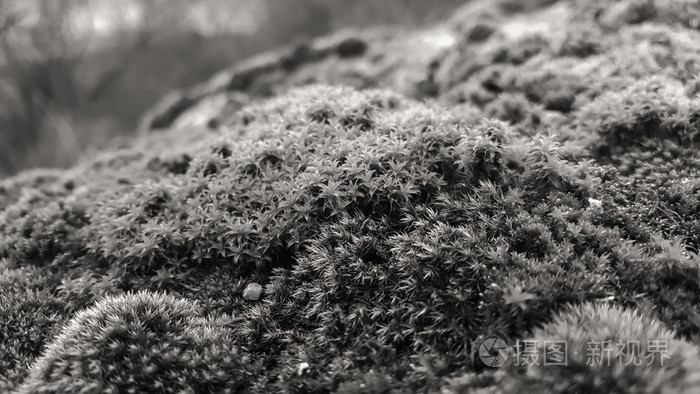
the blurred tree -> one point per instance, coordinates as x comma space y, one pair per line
45, 76
35, 73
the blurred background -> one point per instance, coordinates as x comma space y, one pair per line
74, 74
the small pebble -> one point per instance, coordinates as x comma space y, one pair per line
595, 203
302, 368
252, 292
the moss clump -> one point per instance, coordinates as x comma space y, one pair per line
646, 110
638, 353
608, 349
140, 342
515, 109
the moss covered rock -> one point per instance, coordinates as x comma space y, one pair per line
548, 187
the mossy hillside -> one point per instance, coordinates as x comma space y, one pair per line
385, 232
390, 236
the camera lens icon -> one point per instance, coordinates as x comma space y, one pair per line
493, 352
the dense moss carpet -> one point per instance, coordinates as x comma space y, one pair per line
528, 170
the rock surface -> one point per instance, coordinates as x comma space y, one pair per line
252, 292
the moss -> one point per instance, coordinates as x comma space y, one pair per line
646, 110
608, 348
582, 41
515, 109
388, 236
30, 312
611, 326
137, 342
